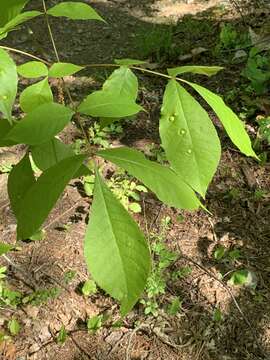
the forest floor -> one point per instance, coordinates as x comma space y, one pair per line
216, 320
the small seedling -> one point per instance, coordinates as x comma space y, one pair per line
94, 323
14, 327
174, 307
89, 288
69, 276
217, 315
62, 335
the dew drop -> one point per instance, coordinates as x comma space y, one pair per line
182, 132
189, 151
4, 97
172, 118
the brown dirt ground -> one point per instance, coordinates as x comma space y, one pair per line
240, 222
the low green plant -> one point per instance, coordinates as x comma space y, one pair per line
257, 70
14, 327
116, 250
230, 38
94, 323
89, 288
62, 336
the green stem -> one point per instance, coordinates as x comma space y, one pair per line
24, 53
50, 31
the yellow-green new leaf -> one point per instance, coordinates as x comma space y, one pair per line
164, 182
32, 69
35, 95
233, 125
189, 138
116, 251
60, 69
42, 196
8, 84
195, 69
75, 11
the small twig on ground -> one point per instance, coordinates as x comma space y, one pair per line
133, 333
81, 349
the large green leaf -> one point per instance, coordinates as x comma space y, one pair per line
9, 9
41, 124
35, 95
123, 83
5, 128
59, 70
116, 251
164, 182
42, 196
20, 180
195, 69
19, 19
232, 124
75, 11
52, 152
8, 83
107, 104
188, 137
32, 69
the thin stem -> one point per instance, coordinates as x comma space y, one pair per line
50, 31
25, 54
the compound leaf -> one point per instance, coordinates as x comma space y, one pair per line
188, 137
116, 251
163, 181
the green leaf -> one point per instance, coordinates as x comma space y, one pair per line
174, 307
89, 288
123, 83
8, 83
75, 11
20, 180
41, 124
135, 207
188, 137
5, 248
32, 69
52, 152
59, 70
128, 62
94, 323
219, 253
5, 128
232, 124
62, 335
35, 95
42, 196
106, 104
169, 188
19, 19
14, 327
116, 252
217, 315
10, 9
38, 235
239, 277
202, 70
